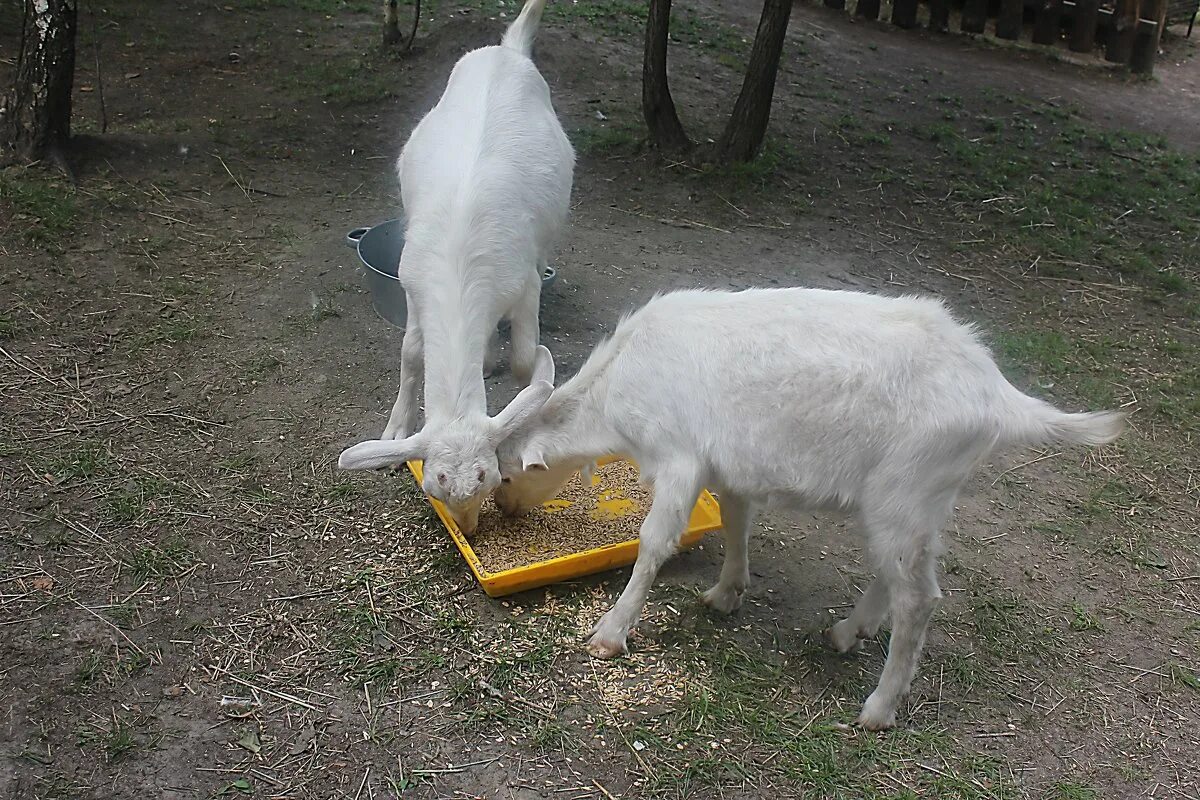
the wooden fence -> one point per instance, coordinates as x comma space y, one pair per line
1128, 31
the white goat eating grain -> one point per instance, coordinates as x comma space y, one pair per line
809, 398
486, 182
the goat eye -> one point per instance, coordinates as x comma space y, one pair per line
442, 478
482, 474
506, 480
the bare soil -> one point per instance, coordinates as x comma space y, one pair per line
194, 603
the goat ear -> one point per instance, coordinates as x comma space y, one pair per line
533, 459
520, 410
377, 454
543, 365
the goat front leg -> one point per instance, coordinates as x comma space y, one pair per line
524, 329
674, 495
726, 595
403, 419
491, 358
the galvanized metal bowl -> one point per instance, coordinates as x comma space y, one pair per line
379, 250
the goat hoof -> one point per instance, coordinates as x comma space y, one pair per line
876, 716
843, 638
721, 599
605, 649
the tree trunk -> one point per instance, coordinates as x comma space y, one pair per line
666, 131
36, 117
747, 125
391, 25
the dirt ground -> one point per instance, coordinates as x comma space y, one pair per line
194, 603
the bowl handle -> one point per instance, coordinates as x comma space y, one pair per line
353, 236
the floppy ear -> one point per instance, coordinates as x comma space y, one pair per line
543, 365
520, 410
377, 453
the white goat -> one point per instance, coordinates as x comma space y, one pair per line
816, 399
486, 184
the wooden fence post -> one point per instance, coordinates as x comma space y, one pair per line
1083, 26
1145, 43
939, 15
867, 9
1011, 19
974, 16
1046, 25
1119, 47
904, 13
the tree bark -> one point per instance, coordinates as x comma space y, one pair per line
666, 131
36, 117
391, 25
743, 135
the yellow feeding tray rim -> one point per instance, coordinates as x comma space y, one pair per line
706, 517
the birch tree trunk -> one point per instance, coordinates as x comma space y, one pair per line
36, 118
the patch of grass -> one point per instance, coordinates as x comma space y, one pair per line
775, 158
116, 743
1083, 620
735, 727
82, 462
341, 491
1092, 367
155, 562
175, 330
1009, 629
40, 203
329, 7
1183, 676
1073, 198
341, 81
89, 671
8, 327
1070, 790
135, 499
122, 614
552, 735
604, 140
120, 742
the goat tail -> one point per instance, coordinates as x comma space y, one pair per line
1034, 421
523, 31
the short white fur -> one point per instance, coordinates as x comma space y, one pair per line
486, 181
814, 399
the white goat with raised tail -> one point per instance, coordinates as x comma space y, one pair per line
486, 184
814, 399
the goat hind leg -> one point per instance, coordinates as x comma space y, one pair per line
914, 596
726, 595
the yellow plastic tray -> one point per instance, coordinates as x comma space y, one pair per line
706, 516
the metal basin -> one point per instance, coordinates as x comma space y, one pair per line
379, 250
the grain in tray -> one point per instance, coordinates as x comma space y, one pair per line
580, 518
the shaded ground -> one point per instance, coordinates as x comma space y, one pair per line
194, 603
